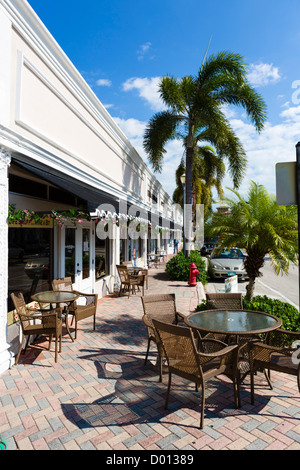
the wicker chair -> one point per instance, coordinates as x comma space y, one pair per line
37, 322
79, 312
212, 358
223, 301
160, 307
276, 354
130, 282
231, 301
142, 271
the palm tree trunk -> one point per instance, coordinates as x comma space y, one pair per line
254, 261
250, 288
188, 225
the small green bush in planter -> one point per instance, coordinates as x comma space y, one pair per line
178, 268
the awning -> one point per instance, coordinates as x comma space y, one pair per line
93, 197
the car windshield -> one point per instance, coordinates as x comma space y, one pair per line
233, 253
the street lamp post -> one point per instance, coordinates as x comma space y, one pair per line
182, 179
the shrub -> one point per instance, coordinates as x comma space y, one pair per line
287, 313
178, 268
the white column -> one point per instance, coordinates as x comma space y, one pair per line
144, 249
6, 357
115, 257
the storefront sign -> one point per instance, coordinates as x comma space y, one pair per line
42, 223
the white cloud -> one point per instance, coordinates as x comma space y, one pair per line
147, 89
103, 82
143, 49
275, 144
263, 74
291, 113
132, 128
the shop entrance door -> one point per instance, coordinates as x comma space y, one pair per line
85, 256
79, 257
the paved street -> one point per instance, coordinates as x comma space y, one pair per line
101, 396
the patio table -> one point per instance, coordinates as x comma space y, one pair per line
238, 326
233, 322
58, 297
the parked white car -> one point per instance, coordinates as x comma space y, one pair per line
226, 263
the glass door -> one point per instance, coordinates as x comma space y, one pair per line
86, 253
78, 257
84, 262
70, 259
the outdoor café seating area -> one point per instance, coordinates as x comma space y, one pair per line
148, 372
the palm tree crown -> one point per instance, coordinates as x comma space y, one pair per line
195, 113
207, 172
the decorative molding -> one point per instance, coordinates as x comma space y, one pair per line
5, 159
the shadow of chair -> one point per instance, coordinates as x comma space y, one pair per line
129, 282
277, 353
198, 364
160, 307
37, 322
78, 310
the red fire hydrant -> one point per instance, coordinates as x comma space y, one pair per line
193, 274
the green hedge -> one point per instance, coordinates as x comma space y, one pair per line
178, 268
287, 313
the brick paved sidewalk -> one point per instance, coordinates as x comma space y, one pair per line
101, 396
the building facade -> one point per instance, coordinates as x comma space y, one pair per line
76, 198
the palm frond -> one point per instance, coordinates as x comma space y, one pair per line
161, 129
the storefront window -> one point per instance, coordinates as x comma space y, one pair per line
122, 250
29, 261
101, 257
70, 253
85, 253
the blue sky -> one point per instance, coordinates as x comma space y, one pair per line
123, 47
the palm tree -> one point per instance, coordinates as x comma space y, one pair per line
207, 172
195, 114
259, 226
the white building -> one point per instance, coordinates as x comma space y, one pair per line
60, 150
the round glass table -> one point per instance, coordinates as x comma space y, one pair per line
57, 297
233, 322
238, 326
